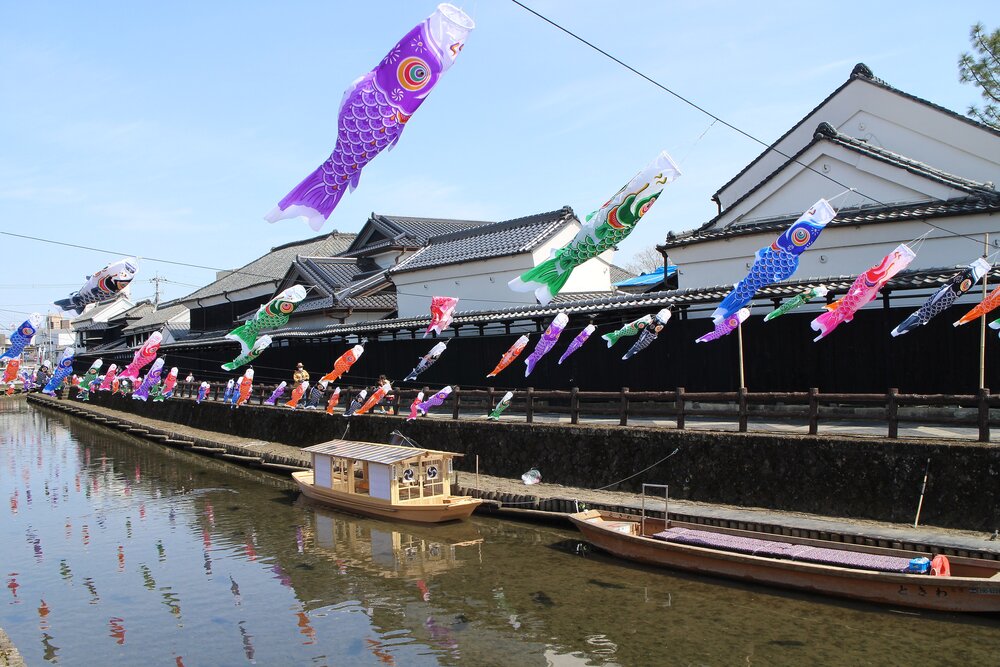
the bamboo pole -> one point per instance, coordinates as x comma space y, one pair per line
982, 320
739, 337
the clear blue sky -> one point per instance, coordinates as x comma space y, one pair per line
168, 129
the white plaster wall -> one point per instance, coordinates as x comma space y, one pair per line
378, 480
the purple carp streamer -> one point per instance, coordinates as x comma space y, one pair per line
375, 109
578, 342
547, 342
726, 326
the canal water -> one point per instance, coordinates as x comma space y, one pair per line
115, 551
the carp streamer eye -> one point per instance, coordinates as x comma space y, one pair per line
413, 74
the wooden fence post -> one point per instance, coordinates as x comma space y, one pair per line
892, 413
489, 399
679, 402
813, 410
742, 396
215, 396
529, 410
623, 409
396, 396
984, 414
574, 405
457, 394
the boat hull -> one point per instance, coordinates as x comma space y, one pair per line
956, 594
451, 509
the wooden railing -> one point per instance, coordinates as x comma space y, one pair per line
740, 406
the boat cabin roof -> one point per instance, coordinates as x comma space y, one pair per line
372, 452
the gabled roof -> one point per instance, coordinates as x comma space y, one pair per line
370, 451
340, 282
383, 232
157, 318
99, 309
271, 268
856, 216
861, 72
499, 239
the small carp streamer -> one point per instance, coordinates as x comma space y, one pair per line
63, 370
510, 355
649, 334
101, 286
864, 288
143, 356
796, 301
21, 338
278, 392
630, 329
500, 407
274, 313
375, 109
258, 348
344, 363
427, 360
547, 342
941, 300
88, 378
604, 229
152, 378
578, 342
726, 326
779, 260
434, 401
442, 309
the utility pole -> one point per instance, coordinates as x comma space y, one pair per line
156, 280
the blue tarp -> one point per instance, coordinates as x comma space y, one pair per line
648, 278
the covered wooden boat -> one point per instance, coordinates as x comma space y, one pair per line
843, 570
387, 481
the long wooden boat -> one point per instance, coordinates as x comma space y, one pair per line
871, 574
386, 481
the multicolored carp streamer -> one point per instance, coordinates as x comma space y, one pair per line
373, 400
434, 401
202, 392
427, 360
143, 356
604, 229
230, 389
795, 302
109, 378
278, 392
170, 382
245, 388
726, 326
630, 329
21, 338
779, 260
28, 381
510, 355
63, 370
258, 348
649, 333
415, 405
990, 302
141, 392
500, 407
102, 286
442, 309
88, 378
862, 290
546, 342
274, 313
10, 371
344, 363
356, 404
334, 399
943, 299
297, 394
375, 109
578, 342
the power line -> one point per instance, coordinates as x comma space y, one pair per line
685, 100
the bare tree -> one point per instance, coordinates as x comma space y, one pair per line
646, 260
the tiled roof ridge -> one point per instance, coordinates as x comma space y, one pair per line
313, 239
866, 214
861, 72
826, 131
565, 211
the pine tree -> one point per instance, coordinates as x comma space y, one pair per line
982, 68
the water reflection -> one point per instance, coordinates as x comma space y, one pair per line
153, 556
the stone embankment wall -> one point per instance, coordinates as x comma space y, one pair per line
837, 476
